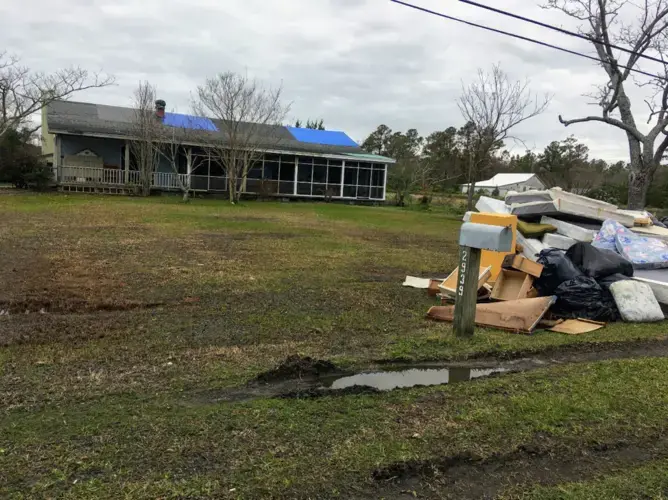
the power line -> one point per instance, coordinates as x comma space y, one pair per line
560, 30
520, 37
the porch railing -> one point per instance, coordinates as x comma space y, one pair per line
160, 180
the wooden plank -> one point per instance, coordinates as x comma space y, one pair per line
512, 285
521, 263
577, 326
467, 292
433, 290
516, 315
450, 284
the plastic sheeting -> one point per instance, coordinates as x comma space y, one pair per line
642, 252
326, 137
557, 268
189, 122
597, 263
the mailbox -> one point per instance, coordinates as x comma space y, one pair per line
484, 237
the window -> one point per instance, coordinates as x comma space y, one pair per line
255, 172
350, 176
288, 170
334, 175
305, 173
378, 178
320, 173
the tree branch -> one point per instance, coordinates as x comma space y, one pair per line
608, 120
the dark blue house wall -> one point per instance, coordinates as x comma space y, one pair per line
108, 149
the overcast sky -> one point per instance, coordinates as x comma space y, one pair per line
354, 63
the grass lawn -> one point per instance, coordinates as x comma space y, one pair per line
125, 314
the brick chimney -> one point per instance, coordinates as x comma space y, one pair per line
160, 108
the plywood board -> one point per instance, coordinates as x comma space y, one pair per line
516, 316
521, 263
512, 285
488, 257
577, 326
449, 285
571, 230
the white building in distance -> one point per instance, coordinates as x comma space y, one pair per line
507, 182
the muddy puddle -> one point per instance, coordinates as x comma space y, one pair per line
303, 377
413, 377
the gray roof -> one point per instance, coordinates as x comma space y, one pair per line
81, 118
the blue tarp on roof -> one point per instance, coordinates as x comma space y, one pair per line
188, 121
327, 137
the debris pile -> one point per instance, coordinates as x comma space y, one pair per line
575, 264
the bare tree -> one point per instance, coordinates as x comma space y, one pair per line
249, 117
146, 135
153, 141
24, 92
492, 107
602, 22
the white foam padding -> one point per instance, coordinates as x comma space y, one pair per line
558, 241
571, 230
636, 302
491, 205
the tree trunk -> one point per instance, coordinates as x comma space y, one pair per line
186, 196
231, 187
471, 192
641, 172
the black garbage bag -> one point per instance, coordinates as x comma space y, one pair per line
609, 280
583, 297
557, 268
598, 263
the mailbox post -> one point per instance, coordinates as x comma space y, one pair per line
473, 238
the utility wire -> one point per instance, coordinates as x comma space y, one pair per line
558, 29
520, 37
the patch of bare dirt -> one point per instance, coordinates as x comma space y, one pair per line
542, 463
297, 367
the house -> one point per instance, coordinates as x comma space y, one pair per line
507, 182
89, 145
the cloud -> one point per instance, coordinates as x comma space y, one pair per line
354, 63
